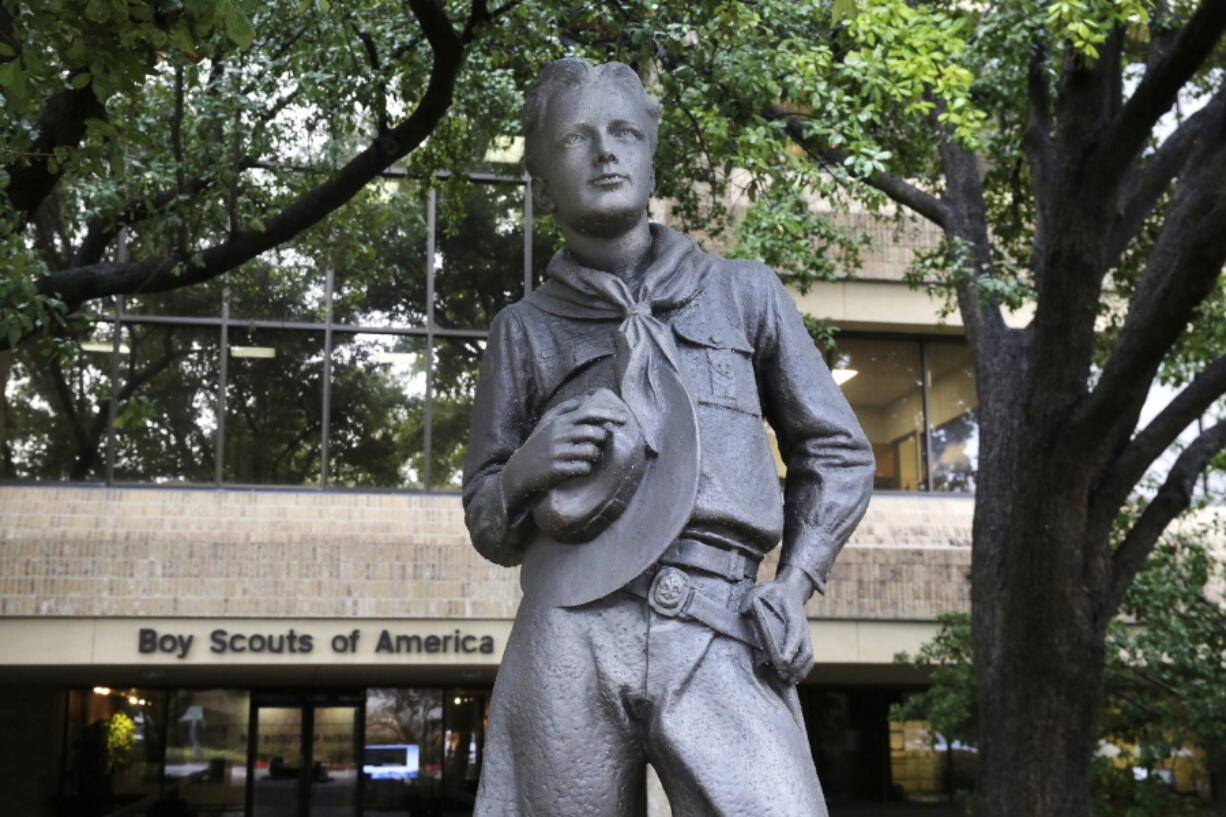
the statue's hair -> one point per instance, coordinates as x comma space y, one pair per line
573, 72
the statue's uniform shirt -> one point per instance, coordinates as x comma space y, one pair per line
586, 695
745, 356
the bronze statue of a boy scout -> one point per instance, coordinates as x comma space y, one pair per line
618, 454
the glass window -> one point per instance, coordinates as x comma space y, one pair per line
166, 420
201, 300
206, 749
380, 279
53, 411
955, 426
280, 285
377, 427
917, 765
479, 255
114, 750
546, 240
274, 407
456, 362
403, 759
465, 713
881, 379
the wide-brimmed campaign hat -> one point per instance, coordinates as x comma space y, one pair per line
577, 510
598, 532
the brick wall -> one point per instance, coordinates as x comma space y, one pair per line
85, 551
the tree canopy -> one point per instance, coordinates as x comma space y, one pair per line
216, 131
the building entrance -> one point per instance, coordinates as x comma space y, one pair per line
304, 757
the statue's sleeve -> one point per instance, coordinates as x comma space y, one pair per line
501, 421
829, 460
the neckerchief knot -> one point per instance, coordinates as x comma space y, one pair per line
646, 349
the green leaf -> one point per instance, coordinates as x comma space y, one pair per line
99, 11
238, 27
844, 10
80, 80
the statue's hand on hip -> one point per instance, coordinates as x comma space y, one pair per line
566, 443
777, 610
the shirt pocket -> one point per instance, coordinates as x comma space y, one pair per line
564, 368
719, 363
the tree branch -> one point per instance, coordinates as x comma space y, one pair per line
1157, 91
100, 279
1182, 270
376, 66
902, 192
101, 231
967, 223
61, 124
1143, 189
1036, 138
1125, 471
1172, 499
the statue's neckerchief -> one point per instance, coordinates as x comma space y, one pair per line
646, 350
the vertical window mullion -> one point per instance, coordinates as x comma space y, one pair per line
527, 234
222, 378
924, 378
326, 408
428, 433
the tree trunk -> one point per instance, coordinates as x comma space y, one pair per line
1037, 627
1217, 781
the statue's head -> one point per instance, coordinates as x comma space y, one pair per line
589, 138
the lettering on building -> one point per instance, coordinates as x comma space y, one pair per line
293, 641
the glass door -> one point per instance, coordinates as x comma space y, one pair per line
303, 761
333, 787
280, 757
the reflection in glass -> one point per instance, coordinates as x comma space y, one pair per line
403, 757
479, 255
465, 712
881, 380
278, 762
376, 432
206, 749
917, 769
274, 397
53, 408
456, 361
115, 750
201, 300
379, 275
280, 285
955, 427
334, 768
166, 418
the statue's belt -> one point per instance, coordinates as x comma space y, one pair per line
672, 594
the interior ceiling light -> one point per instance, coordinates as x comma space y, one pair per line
395, 357
841, 376
505, 150
253, 351
104, 348
102, 690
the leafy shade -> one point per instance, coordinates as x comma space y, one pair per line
208, 133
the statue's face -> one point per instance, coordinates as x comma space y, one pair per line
597, 174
